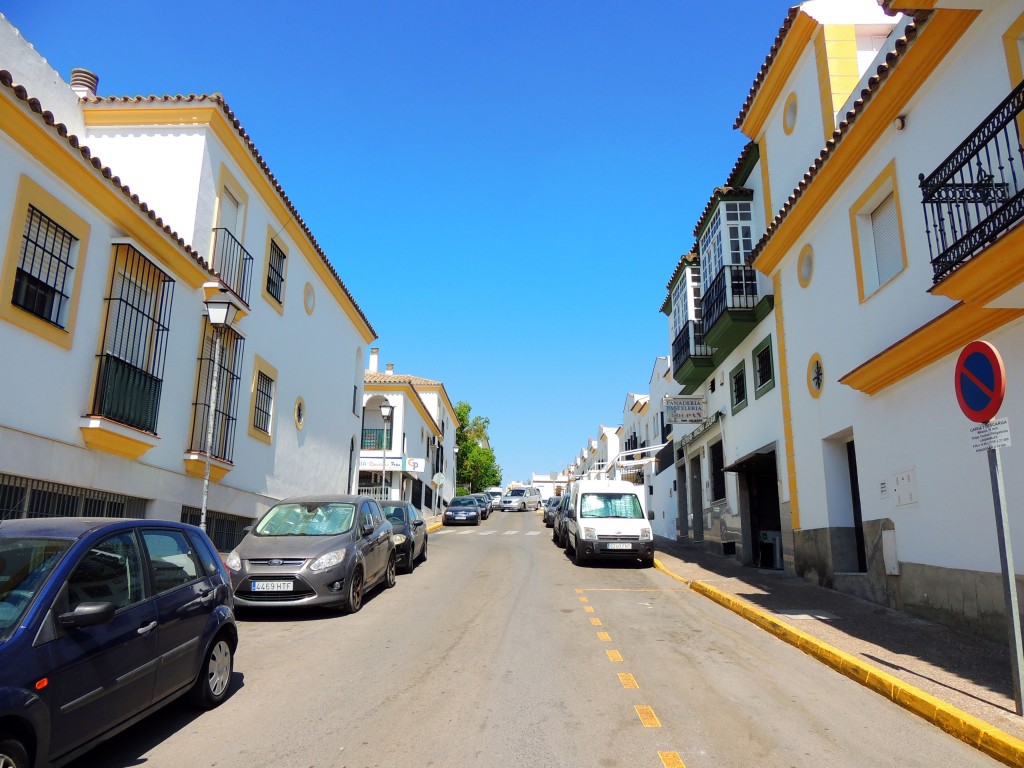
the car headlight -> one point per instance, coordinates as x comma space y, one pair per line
645, 534
590, 534
399, 538
329, 560
233, 561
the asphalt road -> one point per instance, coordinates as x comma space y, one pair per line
500, 651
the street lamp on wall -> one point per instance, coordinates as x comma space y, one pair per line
386, 409
221, 312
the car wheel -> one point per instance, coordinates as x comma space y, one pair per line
578, 556
561, 538
390, 579
211, 687
554, 534
647, 562
355, 591
12, 752
410, 559
423, 552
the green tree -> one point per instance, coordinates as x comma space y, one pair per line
476, 463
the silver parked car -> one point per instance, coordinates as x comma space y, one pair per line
314, 550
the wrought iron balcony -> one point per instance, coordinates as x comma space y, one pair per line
734, 288
975, 195
376, 439
127, 394
232, 262
691, 357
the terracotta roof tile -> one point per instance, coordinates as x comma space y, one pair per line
370, 377
892, 59
763, 72
46, 117
740, 193
218, 100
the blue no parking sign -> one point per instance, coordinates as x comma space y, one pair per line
980, 381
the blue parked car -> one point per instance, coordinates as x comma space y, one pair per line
103, 621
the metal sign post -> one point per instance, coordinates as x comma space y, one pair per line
980, 385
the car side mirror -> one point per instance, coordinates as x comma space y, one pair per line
650, 515
246, 529
87, 615
366, 530
417, 523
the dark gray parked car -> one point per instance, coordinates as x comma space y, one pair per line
550, 507
410, 533
314, 550
102, 622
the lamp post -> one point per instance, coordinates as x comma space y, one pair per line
220, 311
386, 409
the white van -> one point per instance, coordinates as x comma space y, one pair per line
606, 520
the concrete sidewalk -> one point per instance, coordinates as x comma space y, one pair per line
960, 682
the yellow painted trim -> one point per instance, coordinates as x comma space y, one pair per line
227, 180
106, 436
938, 35
815, 358
54, 154
299, 403
195, 465
800, 33
1011, 47
806, 256
945, 335
214, 117
277, 306
828, 118
787, 407
766, 182
259, 366
862, 208
309, 299
443, 394
412, 396
787, 124
838, 71
31, 193
985, 277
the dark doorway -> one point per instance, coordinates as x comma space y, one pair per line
696, 502
858, 521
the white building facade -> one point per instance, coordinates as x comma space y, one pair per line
106, 267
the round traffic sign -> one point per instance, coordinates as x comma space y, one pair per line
438, 479
980, 381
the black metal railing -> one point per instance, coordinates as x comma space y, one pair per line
689, 342
975, 195
127, 394
376, 439
232, 262
734, 287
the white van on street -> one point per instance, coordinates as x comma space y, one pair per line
606, 520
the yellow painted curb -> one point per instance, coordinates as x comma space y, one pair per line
661, 567
434, 527
969, 729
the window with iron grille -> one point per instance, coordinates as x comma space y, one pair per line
264, 402
764, 370
275, 271
24, 497
225, 410
43, 281
738, 383
225, 531
129, 378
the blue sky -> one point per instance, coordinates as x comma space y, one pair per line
505, 187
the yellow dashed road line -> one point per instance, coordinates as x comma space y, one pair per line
647, 717
588, 609
596, 622
614, 656
671, 760
604, 636
584, 600
628, 681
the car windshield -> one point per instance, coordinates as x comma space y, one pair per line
517, 492
463, 502
611, 505
314, 519
25, 565
395, 514
494, 494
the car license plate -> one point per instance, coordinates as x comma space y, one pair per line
620, 545
272, 586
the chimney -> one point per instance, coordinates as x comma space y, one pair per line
390, 370
84, 82
373, 359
